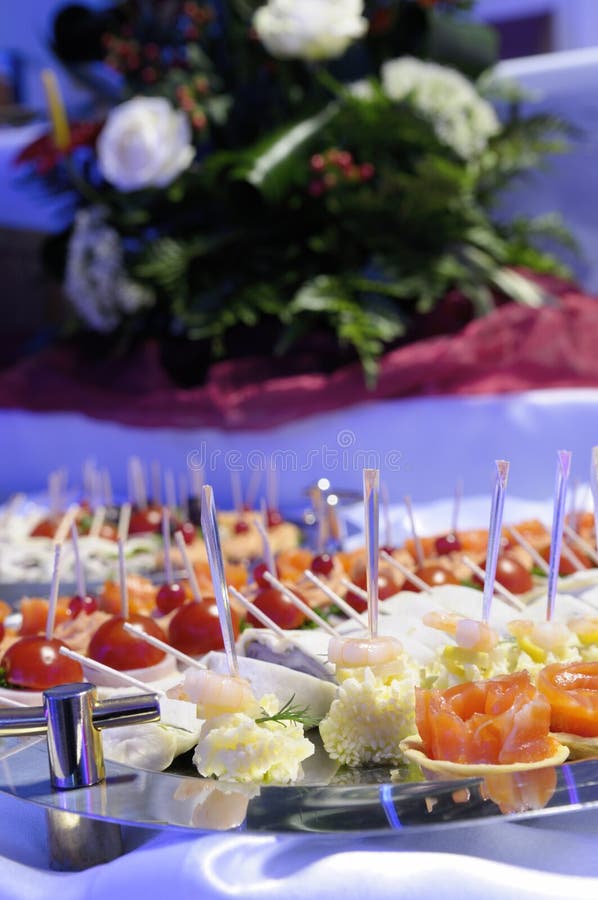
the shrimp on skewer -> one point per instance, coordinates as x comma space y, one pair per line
468, 633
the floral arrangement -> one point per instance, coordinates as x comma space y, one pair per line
271, 170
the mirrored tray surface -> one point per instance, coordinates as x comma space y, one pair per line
326, 802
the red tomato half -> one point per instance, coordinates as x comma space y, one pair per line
115, 647
35, 663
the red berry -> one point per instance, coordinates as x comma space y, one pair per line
188, 530
241, 527
367, 171
274, 518
86, 604
317, 162
170, 596
258, 575
322, 564
448, 543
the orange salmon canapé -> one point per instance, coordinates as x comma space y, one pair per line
571, 689
501, 721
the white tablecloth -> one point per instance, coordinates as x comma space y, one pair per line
553, 857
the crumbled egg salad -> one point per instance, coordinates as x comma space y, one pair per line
248, 747
374, 708
243, 739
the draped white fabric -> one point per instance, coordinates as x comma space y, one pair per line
552, 856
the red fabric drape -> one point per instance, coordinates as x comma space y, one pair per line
512, 349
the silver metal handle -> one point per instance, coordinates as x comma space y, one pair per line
73, 717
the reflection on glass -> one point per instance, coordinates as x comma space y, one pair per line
215, 805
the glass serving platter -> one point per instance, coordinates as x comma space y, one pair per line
328, 800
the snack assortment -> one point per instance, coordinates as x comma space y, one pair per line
436, 684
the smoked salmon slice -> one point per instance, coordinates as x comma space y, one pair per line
501, 721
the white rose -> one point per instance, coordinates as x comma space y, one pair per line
460, 117
144, 143
309, 29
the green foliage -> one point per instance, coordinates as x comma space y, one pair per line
320, 204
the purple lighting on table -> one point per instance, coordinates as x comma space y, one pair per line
571, 785
388, 806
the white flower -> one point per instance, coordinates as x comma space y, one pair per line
460, 117
144, 143
309, 29
95, 281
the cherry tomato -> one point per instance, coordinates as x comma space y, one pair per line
195, 627
188, 531
432, 575
323, 564
258, 575
447, 543
115, 647
511, 575
278, 607
145, 521
387, 586
86, 604
46, 528
241, 527
35, 663
356, 601
274, 518
566, 567
170, 596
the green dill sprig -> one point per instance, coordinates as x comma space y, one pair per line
290, 712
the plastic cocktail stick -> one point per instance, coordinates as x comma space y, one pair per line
538, 560
594, 487
371, 491
122, 577
51, 617
499, 590
209, 527
385, 499
419, 552
97, 523
266, 548
79, 573
166, 542
456, 505
556, 537
299, 604
579, 542
237, 491
410, 576
124, 520
137, 631
494, 534
332, 595
180, 542
169, 489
